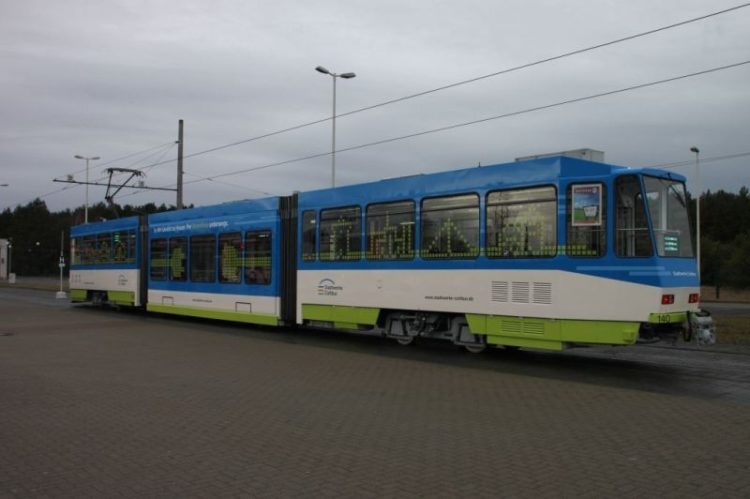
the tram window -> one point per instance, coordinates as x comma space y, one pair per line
132, 247
522, 223
177, 259
340, 234
88, 250
390, 231
450, 227
309, 233
203, 258
76, 247
230, 257
158, 260
586, 234
258, 257
123, 249
103, 251
667, 205
632, 238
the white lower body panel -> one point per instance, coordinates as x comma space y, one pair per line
127, 280
267, 305
552, 294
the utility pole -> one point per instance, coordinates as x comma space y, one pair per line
179, 166
61, 264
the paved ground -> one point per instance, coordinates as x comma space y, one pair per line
106, 403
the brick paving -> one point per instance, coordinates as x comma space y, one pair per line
108, 404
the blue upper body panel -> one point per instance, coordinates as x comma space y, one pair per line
239, 216
106, 226
556, 171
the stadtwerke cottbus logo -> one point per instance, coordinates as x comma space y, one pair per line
327, 287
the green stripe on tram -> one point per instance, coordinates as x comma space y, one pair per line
224, 315
551, 334
126, 298
78, 294
342, 316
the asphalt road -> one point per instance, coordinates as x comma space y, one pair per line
113, 403
727, 308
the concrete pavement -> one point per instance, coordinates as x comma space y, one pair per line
102, 403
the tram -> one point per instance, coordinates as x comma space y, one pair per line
546, 253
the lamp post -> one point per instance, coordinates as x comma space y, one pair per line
346, 76
86, 208
698, 209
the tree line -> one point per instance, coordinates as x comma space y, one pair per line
36, 235
725, 238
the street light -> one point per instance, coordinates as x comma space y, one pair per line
321, 69
86, 208
698, 209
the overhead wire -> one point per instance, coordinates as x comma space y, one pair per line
101, 165
437, 89
709, 159
474, 79
68, 187
483, 120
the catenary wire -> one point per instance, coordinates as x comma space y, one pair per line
680, 164
99, 166
459, 125
472, 80
484, 120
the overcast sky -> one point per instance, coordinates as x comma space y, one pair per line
111, 78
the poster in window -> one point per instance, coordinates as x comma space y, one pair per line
587, 205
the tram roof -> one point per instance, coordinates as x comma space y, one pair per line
538, 171
104, 226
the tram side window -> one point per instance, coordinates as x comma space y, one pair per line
203, 258
88, 250
123, 248
76, 251
522, 223
450, 227
177, 259
340, 234
230, 257
158, 259
586, 234
632, 238
103, 251
258, 257
309, 233
390, 231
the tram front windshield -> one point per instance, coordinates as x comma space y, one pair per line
667, 205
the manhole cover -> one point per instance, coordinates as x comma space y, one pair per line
4, 333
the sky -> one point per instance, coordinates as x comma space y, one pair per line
112, 78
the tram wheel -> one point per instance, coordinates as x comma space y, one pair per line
405, 340
478, 348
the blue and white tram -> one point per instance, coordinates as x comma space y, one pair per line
217, 262
546, 253
106, 258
